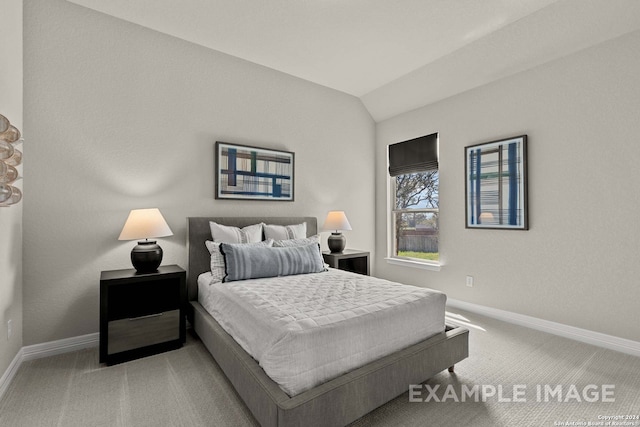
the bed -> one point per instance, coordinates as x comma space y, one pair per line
335, 402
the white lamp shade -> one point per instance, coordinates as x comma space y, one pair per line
143, 224
336, 220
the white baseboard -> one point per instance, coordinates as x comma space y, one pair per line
65, 345
11, 371
46, 349
595, 338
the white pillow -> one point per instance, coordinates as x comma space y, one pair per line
217, 259
226, 234
285, 232
296, 242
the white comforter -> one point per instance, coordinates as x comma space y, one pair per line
307, 329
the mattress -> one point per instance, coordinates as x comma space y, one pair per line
310, 328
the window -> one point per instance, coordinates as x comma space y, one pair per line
415, 216
413, 170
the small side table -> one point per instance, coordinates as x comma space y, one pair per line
141, 314
348, 260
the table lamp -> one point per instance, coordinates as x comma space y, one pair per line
146, 256
336, 220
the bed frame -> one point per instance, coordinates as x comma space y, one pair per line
334, 403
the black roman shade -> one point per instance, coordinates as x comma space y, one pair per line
415, 155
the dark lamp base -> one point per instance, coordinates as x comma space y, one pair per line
336, 242
146, 256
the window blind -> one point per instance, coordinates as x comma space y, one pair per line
415, 155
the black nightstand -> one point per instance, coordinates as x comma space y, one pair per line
141, 314
349, 260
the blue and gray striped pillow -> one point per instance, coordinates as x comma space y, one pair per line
254, 262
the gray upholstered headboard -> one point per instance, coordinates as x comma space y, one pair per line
198, 232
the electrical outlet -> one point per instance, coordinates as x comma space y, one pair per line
470, 281
9, 329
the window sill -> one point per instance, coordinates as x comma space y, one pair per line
414, 264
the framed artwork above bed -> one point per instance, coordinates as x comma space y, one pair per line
252, 173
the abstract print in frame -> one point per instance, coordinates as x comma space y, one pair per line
252, 173
496, 184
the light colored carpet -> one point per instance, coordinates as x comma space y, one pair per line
185, 387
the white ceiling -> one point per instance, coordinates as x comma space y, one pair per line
396, 55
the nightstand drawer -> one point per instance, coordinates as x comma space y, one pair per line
132, 333
142, 299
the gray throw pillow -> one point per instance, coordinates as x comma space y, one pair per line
217, 259
254, 262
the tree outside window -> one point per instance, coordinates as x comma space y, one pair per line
416, 216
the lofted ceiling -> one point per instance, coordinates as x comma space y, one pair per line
394, 55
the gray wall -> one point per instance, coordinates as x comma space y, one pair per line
121, 117
578, 264
11, 218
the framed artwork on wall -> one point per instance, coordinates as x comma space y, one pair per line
252, 173
496, 184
